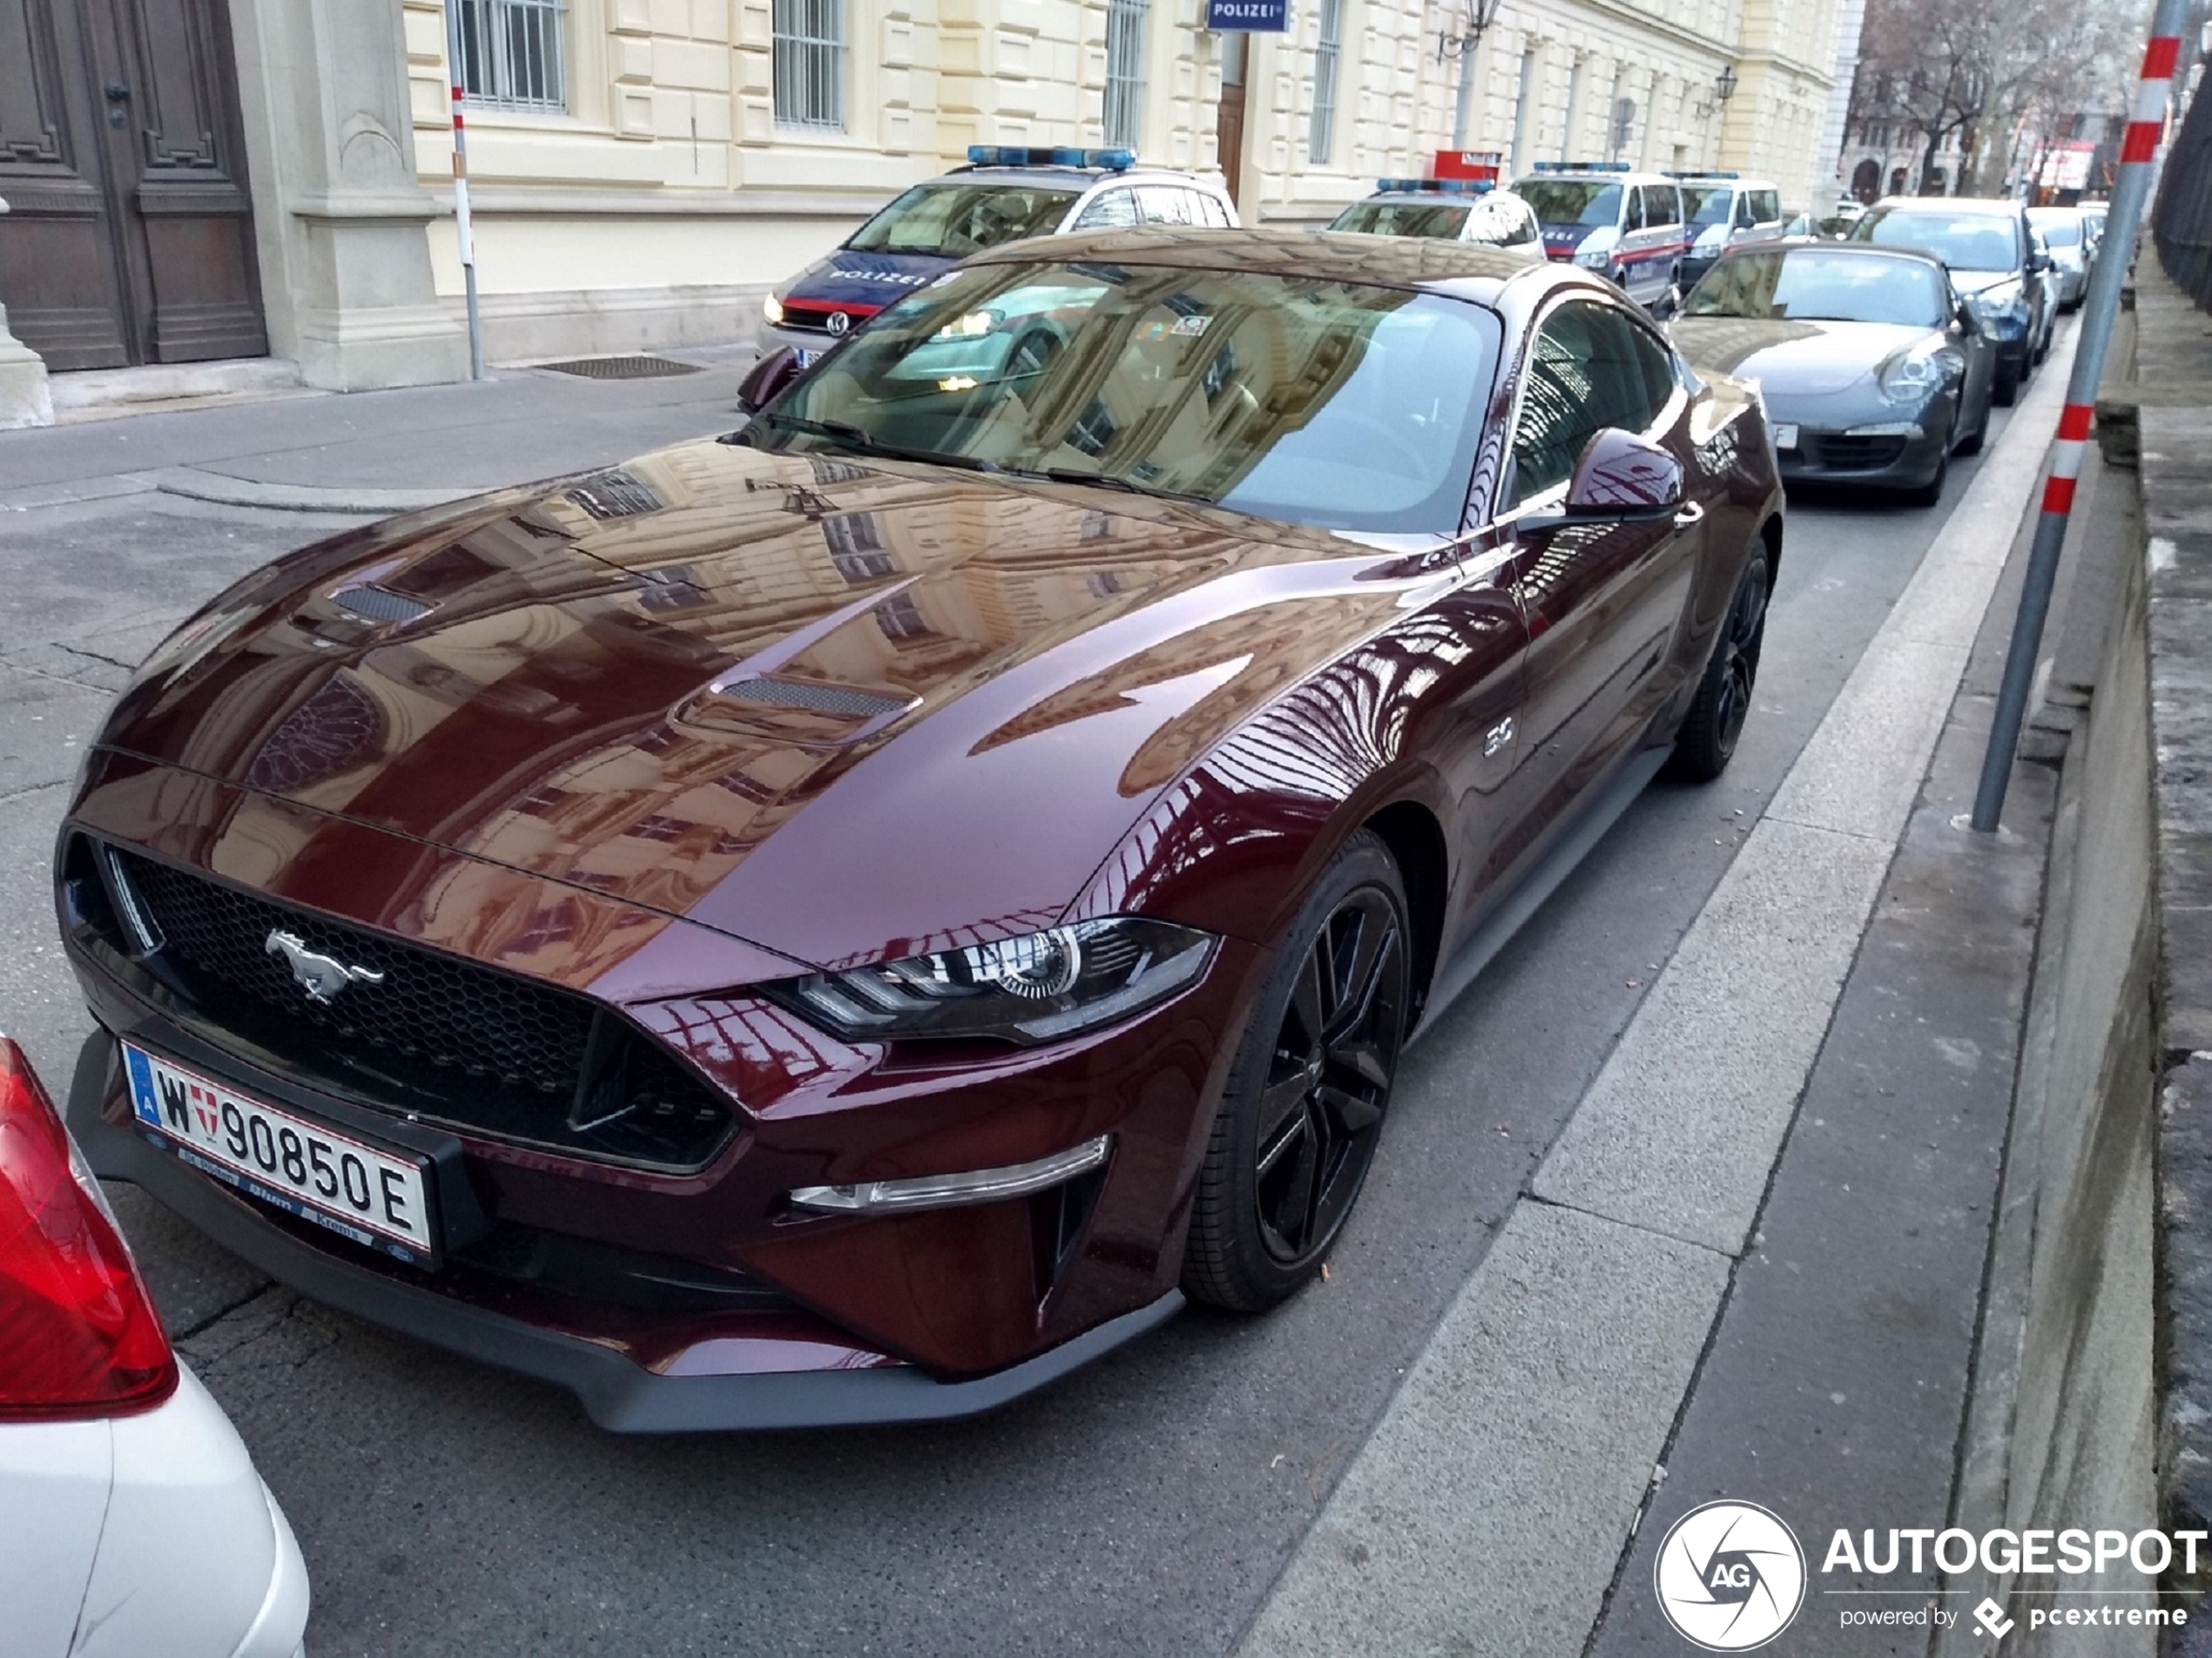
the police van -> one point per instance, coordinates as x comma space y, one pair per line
1608, 217
1722, 209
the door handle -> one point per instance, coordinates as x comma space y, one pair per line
116, 92
1690, 513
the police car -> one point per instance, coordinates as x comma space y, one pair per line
1451, 210
1004, 194
1605, 216
1721, 210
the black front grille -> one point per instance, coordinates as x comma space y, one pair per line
447, 1038
1834, 452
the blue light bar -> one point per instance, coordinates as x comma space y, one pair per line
1015, 155
1445, 186
1581, 167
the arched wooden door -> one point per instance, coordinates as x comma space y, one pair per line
129, 237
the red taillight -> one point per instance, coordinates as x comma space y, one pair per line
78, 1335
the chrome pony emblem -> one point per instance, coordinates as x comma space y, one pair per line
321, 976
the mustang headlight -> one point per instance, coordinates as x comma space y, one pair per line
1037, 988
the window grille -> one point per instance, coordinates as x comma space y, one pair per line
511, 53
808, 52
1326, 55
1124, 110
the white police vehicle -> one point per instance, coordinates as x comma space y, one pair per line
1608, 217
1451, 210
1721, 210
1005, 194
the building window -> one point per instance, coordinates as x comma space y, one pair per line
1124, 112
856, 548
1326, 55
899, 618
808, 50
509, 52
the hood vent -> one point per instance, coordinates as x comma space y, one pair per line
814, 696
807, 711
374, 604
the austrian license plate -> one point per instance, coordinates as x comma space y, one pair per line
305, 1168
807, 356
1786, 434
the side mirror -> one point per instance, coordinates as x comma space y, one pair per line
2038, 260
1621, 478
769, 377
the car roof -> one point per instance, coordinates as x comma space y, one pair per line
1608, 175
1989, 204
1065, 177
1431, 194
1471, 270
1829, 244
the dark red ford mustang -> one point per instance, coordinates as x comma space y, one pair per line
849, 920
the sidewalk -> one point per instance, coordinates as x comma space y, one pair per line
374, 452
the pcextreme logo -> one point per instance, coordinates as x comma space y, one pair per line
1730, 1576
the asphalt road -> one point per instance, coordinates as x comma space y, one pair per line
1144, 1507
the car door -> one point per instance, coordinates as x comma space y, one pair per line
1603, 601
1978, 388
1112, 208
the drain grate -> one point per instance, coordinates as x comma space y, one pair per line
623, 367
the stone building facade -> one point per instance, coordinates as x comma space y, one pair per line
643, 171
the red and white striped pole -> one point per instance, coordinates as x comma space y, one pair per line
461, 224
2146, 125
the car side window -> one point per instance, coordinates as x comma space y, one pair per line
1110, 210
1663, 206
1766, 206
1212, 211
1524, 228
1585, 371
1632, 210
1164, 204
1659, 378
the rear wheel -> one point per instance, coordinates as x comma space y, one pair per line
1707, 740
1303, 1108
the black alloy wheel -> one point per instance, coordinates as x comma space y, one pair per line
1707, 740
1303, 1111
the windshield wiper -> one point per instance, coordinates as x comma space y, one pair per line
868, 443
1105, 481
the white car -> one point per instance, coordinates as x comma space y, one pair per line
1451, 210
133, 1524
2066, 234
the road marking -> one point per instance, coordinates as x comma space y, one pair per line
1486, 1511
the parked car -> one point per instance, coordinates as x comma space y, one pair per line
2093, 230
1990, 251
1724, 210
1873, 370
1452, 210
131, 1520
1005, 194
2066, 239
1605, 216
852, 919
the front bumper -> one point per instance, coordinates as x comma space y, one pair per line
775, 337
562, 1345
1882, 463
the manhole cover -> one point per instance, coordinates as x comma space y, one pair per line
621, 367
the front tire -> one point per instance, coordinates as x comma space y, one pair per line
2005, 390
1707, 740
1302, 1111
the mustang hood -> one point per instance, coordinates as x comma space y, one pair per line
1805, 358
841, 712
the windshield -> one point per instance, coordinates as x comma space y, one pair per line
2060, 230
1821, 284
1335, 404
1571, 201
1707, 204
1433, 219
955, 219
1964, 241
